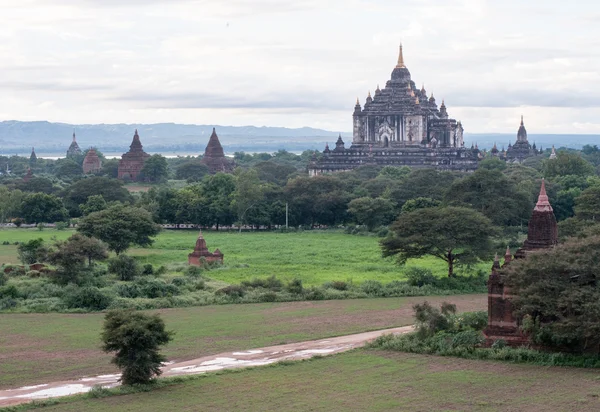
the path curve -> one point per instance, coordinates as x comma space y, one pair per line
227, 360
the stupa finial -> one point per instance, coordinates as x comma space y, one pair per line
400, 64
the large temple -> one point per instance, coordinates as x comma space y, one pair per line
521, 150
400, 126
132, 162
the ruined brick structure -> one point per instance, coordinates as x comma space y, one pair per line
92, 162
132, 162
542, 234
214, 156
400, 126
201, 252
73, 149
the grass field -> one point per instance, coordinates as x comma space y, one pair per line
36, 348
313, 256
370, 381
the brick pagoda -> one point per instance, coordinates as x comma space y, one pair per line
92, 162
201, 252
214, 156
542, 234
132, 162
73, 150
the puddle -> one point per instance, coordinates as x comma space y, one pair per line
221, 363
248, 353
58, 391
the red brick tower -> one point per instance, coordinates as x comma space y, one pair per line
542, 234
201, 252
132, 162
92, 162
214, 157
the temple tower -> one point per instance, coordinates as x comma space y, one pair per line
92, 162
32, 157
73, 149
132, 162
201, 253
214, 156
542, 234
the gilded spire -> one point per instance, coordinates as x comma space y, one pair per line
400, 64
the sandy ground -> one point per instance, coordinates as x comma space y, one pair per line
227, 360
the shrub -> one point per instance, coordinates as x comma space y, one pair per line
314, 294
3, 278
33, 274
156, 288
372, 287
126, 267
8, 303
420, 276
193, 271
430, 320
338, 285
88, 298
9, 291
268, 283
179, 282
148, 269
499, 344
295, 287
161, 270
61, 225
269, 296
470, 321
234, 291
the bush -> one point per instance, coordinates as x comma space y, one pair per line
337, 285
126, 267
420, 276
234, 291
314, 294
470, 321
430, 320
156, 288
193, 271
372, 287
179, 282
295, 287
3, 278
9, 291
271, 283
62, 225
88, 298
148, 269
268, 297
8, 303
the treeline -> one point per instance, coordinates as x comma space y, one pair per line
370, 196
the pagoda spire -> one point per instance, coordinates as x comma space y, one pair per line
543, 204
400, 64
507, 255
74, 137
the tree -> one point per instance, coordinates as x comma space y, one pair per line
491, 193
457, 235
248, 193
112, 190
126, 267
419, 203
587, 205
192, 171
567, 164
93, 204
371, 212
70, 257
423, 183
32, 251
40, 207
10, 203
110, 168
67, 168
120, 226
135, 338
557, 295
155, 169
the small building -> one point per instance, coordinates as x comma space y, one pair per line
91, 162
132, 162
542, 234
214, 156
201, 253
73, 150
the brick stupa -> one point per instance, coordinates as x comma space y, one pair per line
542, 234
214, 156
73, 150
201, 253
92, 162
132, 162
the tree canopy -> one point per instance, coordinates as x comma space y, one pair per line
120, 227
457, 235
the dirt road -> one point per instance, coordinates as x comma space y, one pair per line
227, 360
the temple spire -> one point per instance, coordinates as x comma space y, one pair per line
507, 256
522, 120
543, 204
74, 137
400, 64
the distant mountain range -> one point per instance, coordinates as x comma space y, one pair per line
54, 138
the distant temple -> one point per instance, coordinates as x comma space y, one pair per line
214, 156
92, 162
132, 162
542, 234
400, 126
201, 253
28, 176
32, 157
520, 151
74, 149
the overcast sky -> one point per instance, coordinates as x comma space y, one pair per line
299, 63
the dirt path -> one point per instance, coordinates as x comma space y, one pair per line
227, 360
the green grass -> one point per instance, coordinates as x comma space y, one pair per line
368, 381
36, 348
315, 257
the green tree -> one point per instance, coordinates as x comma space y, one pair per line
40, 207
71, 255
567, 164
112, 190
155, 169
491, 193
110, 168
457, 235
422, 183
135, 338
587, 205
93, 204
192, 171
419, 203
32, 251
557, 294
120, 226
371, 212
126, 267
248, 193
10, 203
67, 168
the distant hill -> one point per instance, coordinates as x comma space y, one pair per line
46, 137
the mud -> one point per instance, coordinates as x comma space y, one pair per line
227, 360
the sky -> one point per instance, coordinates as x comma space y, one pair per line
299, 63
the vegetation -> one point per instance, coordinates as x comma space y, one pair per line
135, 338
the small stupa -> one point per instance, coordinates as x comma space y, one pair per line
92, 162
201, 252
